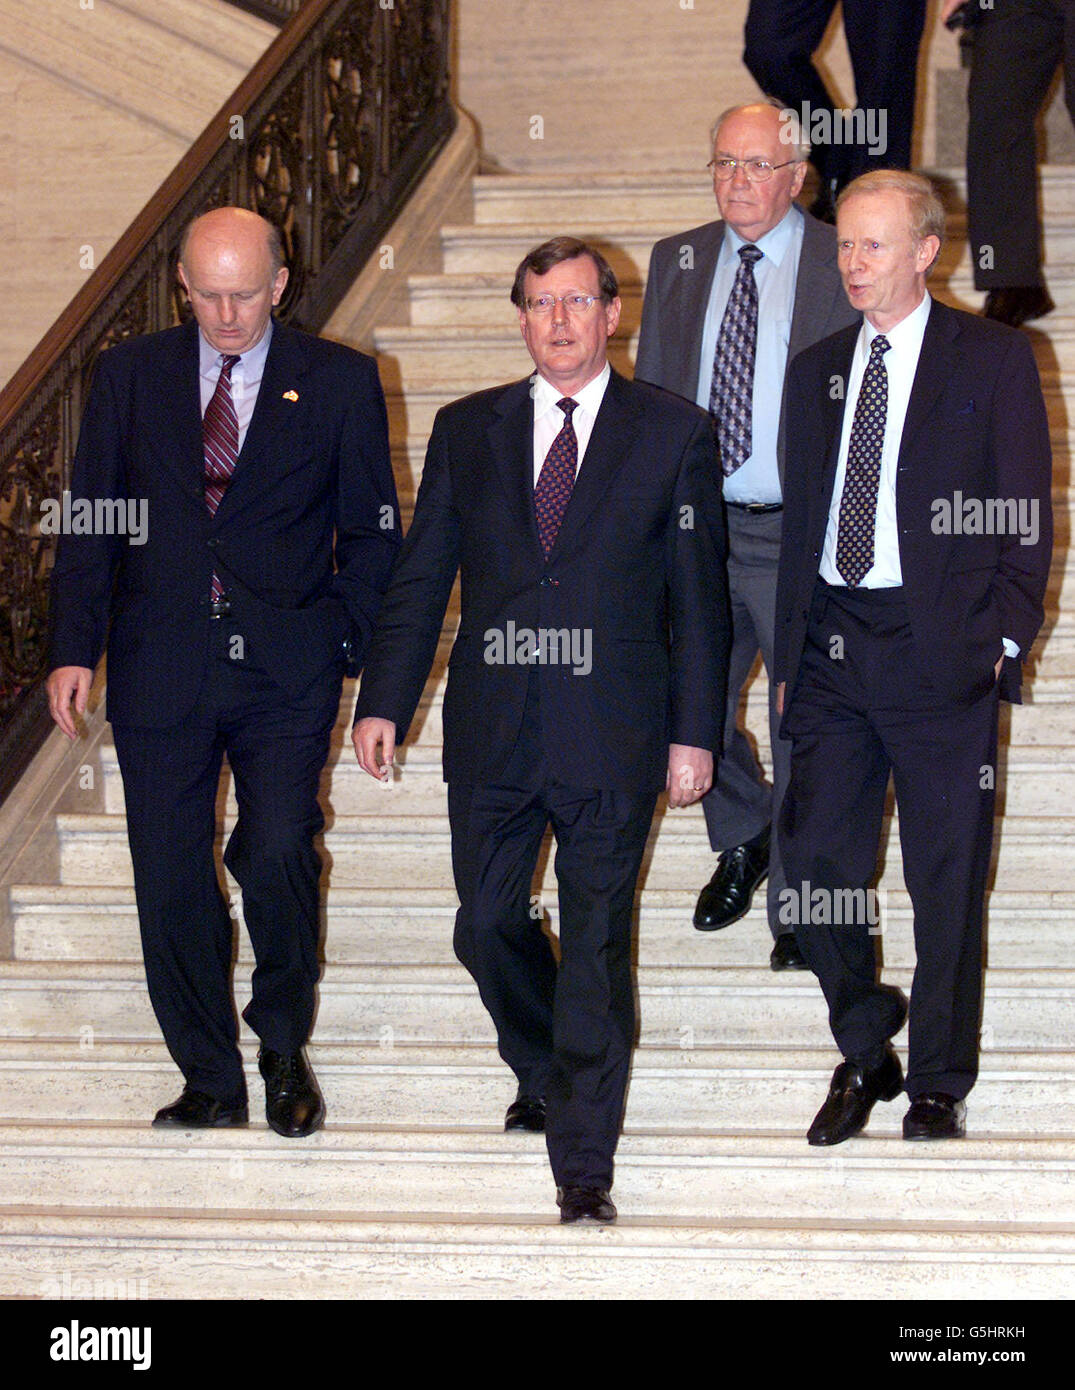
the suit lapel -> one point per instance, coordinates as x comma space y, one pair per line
180, 411
695, 302
511, 440
817, 282
937, 361
840, 357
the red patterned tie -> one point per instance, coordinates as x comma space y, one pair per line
220, 439
552, 492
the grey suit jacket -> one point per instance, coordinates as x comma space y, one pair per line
673, 312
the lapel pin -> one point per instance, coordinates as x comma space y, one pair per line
291, 395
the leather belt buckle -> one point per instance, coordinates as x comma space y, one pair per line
219, 608
757, 508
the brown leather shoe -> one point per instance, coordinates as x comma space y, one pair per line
852, 1095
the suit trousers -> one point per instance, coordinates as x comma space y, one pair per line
276, 749
1017, 47
858, 711
566, 1030
741, 803
882, 38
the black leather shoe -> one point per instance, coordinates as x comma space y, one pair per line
786, 955
1018, 304
852, 1096
196, 1110
526, 1112
726, 897
935, 1115
293, 1103
578, 1203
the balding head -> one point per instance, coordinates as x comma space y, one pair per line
230, 266
756, 132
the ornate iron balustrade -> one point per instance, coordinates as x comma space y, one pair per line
275, 11
326, 137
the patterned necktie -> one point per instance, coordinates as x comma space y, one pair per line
731, 396
552, 491
857, 521
220, 441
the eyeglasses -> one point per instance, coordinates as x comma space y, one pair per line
573, 303
756, 170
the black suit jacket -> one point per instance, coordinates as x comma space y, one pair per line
303, 540
638, 565
976, 428
673, 312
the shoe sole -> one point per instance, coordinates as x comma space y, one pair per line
926, 1138
719, 926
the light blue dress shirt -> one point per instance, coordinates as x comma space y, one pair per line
758, 480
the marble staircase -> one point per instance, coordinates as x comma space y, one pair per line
412, 1189
102, 101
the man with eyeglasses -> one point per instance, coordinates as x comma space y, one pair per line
583, 513
727, 306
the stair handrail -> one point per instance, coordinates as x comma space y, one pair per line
275, 11
326, 136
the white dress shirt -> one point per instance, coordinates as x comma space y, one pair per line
549, 418
901, 363
245, 377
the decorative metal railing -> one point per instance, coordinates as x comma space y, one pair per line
326, 136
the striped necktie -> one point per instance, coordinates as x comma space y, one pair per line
220, 441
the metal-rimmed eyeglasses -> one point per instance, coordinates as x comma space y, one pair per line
574, 302
756, 170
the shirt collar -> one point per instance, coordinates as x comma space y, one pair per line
589, 398
907, 333
252, 362
775, 243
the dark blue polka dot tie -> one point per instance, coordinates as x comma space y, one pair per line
731, 395
857, 522
552, 491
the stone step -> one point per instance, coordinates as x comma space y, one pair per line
160, 1255
1026, 931
726, 1006
379, 851
996, 1184
717, 1091
685, 198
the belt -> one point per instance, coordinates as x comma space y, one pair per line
219, 608
755, 507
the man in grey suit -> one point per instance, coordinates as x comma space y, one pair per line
727, 306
